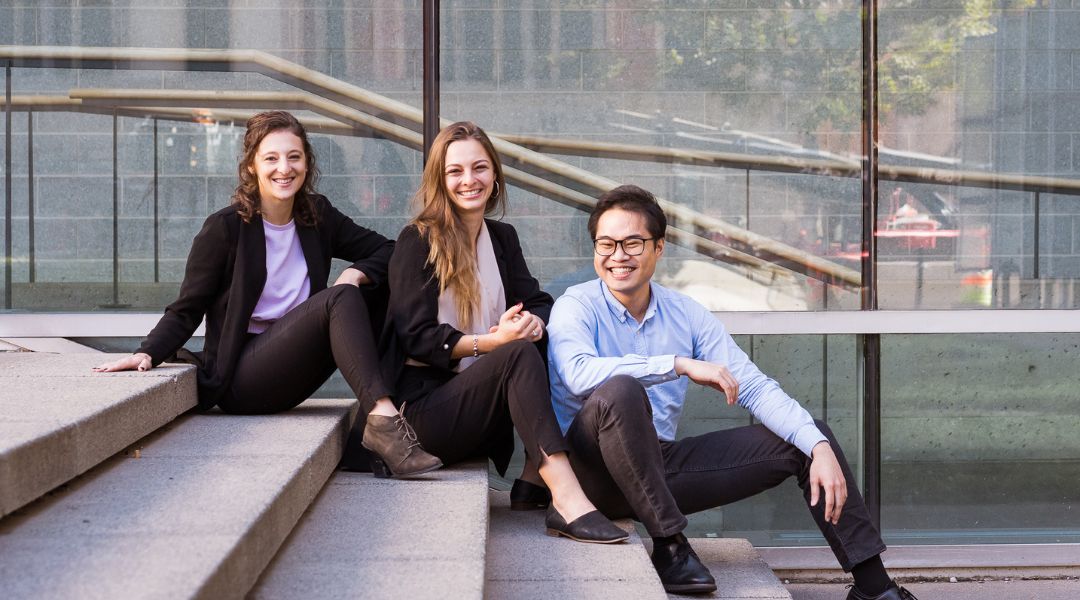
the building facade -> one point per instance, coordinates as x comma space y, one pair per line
886, 210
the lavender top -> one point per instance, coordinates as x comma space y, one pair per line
287, 283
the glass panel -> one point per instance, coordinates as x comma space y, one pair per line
164, 189
979, 439
827, 388
757, 84
969, 94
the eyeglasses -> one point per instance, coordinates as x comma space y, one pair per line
632, 246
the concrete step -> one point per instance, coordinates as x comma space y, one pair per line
197, 512
740, 572
378, 538
523, 563
58, 418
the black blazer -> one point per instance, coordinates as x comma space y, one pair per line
413, 329
225, 275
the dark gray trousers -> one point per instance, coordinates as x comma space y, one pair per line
282, 366
475, 412
628, 472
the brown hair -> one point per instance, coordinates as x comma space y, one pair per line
246, 195
453, 250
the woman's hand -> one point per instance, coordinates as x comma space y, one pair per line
138, 361
517, 324
352, 276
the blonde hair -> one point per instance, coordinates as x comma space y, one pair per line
453, 250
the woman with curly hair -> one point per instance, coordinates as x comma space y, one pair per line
257, 272
466, 320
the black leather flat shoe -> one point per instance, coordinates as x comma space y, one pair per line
680, 569
528, 496
592, 527
893, 592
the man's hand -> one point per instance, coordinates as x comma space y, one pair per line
712, 375
825, 472
352, 276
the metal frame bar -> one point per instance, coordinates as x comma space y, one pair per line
7, 185
31, 234
870, 343
854, 322
431, 74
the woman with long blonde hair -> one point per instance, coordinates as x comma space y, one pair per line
467, 320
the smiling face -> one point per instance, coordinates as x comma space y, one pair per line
627, 276
280, 165
469, 176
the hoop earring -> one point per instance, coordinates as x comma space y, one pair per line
495, 194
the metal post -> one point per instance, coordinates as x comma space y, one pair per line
7, 186
871, 343
30, 192
748, 198
115, 215
431, 74
1035, 250
157, 258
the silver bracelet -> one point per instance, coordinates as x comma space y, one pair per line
476, 346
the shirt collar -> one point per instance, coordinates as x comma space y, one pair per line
620, 312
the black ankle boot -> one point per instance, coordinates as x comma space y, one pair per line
679, 567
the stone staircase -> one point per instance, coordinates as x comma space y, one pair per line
110, 487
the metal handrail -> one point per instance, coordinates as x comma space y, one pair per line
330, 90
152, 103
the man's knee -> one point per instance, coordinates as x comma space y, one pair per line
624, 395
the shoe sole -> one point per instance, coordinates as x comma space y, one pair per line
557, 533
414, 473
690, 588
523, 506
394, 475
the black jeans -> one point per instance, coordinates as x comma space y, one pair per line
473, 413
284, 365
628, 472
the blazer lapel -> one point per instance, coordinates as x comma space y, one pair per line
500, 259
251, 268
317, 273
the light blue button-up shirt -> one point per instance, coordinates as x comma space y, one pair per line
592, 337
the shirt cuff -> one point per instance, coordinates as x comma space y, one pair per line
663, 366
807, 437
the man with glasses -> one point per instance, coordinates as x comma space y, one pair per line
622, 351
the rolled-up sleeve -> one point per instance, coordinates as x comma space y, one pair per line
574, 356
758, 393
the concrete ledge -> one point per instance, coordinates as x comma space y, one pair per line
198, 513
523, 563
376, 538
966, 562
58, 418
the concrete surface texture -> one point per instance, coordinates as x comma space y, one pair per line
739, 571
58, 418
383, 538
195, 510
523, 563
1061, 589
